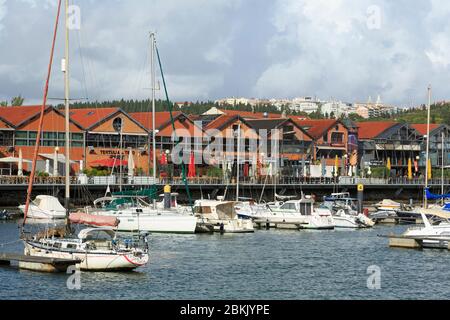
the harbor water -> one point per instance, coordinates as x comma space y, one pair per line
269, 264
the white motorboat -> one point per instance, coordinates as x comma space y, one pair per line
135, 214
45, 207
302, 212
388, 205
430, 231
221, 215
345, 212
98, 250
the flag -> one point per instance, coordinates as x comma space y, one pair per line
192, 172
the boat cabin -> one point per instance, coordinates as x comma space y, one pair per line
305, 206
222, 210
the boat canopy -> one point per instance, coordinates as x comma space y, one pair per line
48, 203
93, 220
96, 234
432, 196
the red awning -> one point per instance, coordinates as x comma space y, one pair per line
93, 220
109, 163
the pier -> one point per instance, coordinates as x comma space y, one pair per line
42, 264
85, 190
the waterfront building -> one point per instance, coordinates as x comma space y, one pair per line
380, 141
436, 145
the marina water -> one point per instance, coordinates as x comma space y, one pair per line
275, 264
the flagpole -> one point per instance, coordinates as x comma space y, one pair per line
425, 200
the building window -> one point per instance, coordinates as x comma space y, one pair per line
337, 138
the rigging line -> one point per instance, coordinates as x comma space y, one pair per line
170, 106
41, 118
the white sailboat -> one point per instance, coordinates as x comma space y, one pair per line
97, 249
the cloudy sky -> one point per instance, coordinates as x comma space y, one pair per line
342, 49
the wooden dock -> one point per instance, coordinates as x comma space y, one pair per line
399, 241
260, 224
42, 264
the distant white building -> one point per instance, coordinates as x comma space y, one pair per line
337, 108
305, 104
373, 109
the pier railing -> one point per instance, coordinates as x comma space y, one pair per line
211, 181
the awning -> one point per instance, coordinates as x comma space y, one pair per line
331, 148
13, 160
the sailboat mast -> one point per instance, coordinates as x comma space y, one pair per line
153, 76
428, 147
66, 111
443, 165
238, 160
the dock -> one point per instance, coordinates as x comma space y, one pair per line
42, 264
293, 225
399, 241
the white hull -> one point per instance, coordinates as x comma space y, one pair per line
354, 222
101, 261
164, 222
232, 226
35, 212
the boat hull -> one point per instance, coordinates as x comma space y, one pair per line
92, 261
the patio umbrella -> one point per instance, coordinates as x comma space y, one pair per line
388, 164
246, 169
20, 164
131, 164
336, 166
191, 172
304, 166
47, 166
55, 163
430, 174
324, 167
343, 167
163, 161
410, 174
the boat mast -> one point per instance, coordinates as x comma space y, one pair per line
428, 147
443, 164
238, 159
67, 112
153, 76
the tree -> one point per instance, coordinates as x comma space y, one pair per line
17, 101
3, 103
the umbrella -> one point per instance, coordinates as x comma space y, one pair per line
192, 173
430, 174
47, 166
163, 161
343, 166
246, 169
388, 165
324, 167
336, 166
109, 163
20, 164
416, 166
304, 166
410, 174
130, 164
55, 163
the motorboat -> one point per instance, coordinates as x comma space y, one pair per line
303, 213
388, 205
249, 209
45, 207
97, 249
345, 212
136, 214
440, 230
221, 216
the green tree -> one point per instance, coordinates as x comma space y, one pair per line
3, 103
17, 101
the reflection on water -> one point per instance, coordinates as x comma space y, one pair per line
265, 265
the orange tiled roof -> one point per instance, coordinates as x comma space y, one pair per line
372, 129
90, 117
422, 128
220, 121
315, 128
249, 114
18, 115
161, 118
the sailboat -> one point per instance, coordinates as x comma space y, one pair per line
132, 209
96, 249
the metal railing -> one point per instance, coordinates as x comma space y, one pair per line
260, 181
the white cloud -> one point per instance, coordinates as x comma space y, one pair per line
3, 11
